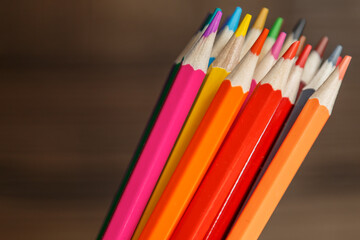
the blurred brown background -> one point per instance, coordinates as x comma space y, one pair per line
79, 80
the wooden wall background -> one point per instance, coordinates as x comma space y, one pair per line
79, 80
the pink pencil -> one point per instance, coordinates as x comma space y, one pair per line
162, 138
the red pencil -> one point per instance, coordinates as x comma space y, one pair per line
233, 157
239, 191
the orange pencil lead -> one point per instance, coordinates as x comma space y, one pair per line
291, 52
256, 48
343, 66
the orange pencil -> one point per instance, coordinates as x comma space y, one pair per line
238, 147
203, 147
288, 159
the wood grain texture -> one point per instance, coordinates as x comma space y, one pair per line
78, 83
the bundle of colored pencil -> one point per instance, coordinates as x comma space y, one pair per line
236, 118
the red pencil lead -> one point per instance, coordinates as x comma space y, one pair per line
291, 52
320, 48
338, 61
303, 56
256, 48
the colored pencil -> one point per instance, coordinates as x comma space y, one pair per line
237, 148
166, 88
313, 62
294, 35
326, 69
322, 74
290, 94
338, 61
203, 147
162, 137
255, 31
288, 159
197, 36
221, 67
302, 41
273, 35
264, 67
238, 192
225, 34
292, 85
267, 63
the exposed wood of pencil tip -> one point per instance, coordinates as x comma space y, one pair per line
230, 55
328, 91
278, 75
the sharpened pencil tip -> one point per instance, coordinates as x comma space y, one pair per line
335, 55
233, 21
302, 41
303, 56
343, 66
338, 60
320, 48
291, 52
276, 48
257, 46
210, 18
275, 29
299, 28
212, 28
244, 26
261, 19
